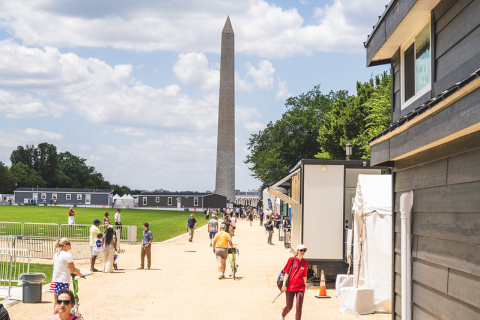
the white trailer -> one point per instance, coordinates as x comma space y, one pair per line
321, 198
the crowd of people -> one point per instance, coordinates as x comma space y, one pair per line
220, 234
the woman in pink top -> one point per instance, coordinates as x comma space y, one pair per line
65, 302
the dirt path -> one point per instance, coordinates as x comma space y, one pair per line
183, 284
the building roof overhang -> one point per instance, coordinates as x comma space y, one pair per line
392, 40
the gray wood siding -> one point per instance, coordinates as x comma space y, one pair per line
445, 234
457, 41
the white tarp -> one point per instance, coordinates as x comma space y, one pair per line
373, 231
123, 202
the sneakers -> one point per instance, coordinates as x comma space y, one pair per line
220, 275
281, 318
141, 268
148, 268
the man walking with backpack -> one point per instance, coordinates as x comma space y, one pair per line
212, 228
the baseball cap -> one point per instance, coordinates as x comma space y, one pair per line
301, 246
96, 220
119, 210
110, 226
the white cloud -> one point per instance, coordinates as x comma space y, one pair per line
11, 138
95, 90
254, 126
243, 114
261, 28
128, 131
242, 84
159, 162
192, 69
282, 92
263, 76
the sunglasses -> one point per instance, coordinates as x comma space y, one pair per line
67, 244
65, 302
303, 250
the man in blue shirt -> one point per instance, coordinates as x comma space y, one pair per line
146, 246
191, 224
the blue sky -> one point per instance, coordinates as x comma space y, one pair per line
132, 86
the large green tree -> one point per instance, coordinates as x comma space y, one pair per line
277, 148
356, 119
26, 177
7, 180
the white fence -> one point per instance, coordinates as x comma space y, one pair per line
6, 262
20, 261
52, 230
10, 228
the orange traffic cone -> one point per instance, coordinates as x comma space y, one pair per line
323, 288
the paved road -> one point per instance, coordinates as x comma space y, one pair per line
183, 284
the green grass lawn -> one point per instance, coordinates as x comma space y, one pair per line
164, 224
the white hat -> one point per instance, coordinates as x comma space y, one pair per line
71, 208
301, 246
110, 226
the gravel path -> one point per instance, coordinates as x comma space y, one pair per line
183, 284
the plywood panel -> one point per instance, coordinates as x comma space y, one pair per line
459, 115
398, 263
429, 175
398, 284
398, 305
458, 146
447, 10
432, 275
441, 305
464, 168
456, 255
467, 48
420, 314
461, 227
465, 287
323, 211
450, 198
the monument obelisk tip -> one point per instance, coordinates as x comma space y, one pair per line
228, 26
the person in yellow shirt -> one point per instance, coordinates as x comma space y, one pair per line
220, 248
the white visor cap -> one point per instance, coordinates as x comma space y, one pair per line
301, 246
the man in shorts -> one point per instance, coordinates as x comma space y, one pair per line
94, 234
212, 228
220, 248
226, 223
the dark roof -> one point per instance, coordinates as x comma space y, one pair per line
197, 194
428, 105
380, 19
65, 190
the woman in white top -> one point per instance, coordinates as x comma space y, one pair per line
62, 267
233, 224
109, 247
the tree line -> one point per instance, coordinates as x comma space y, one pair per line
43, 166
317, 125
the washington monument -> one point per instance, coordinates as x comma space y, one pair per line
225, 178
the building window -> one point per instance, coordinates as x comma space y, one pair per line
169, 201
144, 201
68, 196
157, 199
195, 201
54, 196
79, 197
35, 196
416, 66
44, 196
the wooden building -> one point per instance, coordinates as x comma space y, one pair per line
433, 145
195, 201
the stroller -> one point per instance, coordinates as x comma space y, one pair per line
75, 311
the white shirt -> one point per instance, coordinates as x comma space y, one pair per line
233, 220
117, 217
61, 270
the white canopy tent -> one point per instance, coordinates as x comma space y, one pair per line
123, 202
373, 238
